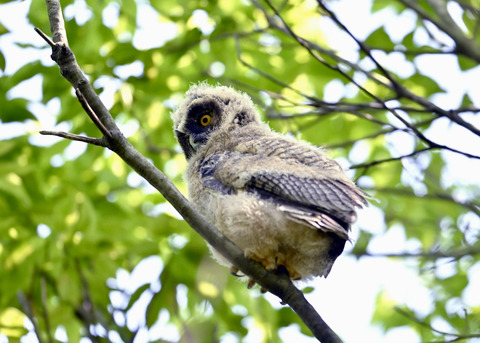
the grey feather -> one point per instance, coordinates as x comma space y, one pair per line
321, 203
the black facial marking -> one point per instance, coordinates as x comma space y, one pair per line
242, 119
183, 140
197, 111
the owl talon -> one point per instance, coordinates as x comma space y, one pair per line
250, 284
234, 271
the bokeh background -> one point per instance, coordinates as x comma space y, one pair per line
90, 252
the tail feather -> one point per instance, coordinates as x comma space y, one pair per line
315, 219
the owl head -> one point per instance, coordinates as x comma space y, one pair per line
207, 110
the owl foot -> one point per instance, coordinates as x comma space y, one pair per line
275, 264
252, 283
234, 271
269, 262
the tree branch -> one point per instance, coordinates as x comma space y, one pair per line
402, 91
27, 309
454, 253
471, 206
457, 336
43, 294
279, 285
375, 162
464, 45
92, 114
73, 137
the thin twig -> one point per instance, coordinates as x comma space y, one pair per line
457, 336
303, 43
375, 135
43, 293
399, 89
455, 254
403, 92
73, 137
376, 162
310, 45
57, 24
92, 114
27, 309
266, 75
373, 96
470, 205
45, 37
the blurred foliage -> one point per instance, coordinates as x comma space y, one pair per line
70, 221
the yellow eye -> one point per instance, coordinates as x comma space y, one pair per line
205, 119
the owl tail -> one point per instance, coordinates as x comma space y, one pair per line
315, 219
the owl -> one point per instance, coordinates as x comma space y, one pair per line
282, 201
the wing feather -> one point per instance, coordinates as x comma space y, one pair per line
309, 195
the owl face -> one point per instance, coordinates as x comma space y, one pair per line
207, 110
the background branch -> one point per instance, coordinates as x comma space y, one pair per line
436, 254
27, 309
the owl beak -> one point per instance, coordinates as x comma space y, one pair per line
185, 143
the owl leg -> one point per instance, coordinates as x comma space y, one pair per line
252, 283
234, 271
267, 261
272, 263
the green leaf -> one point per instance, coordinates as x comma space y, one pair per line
380, 39
26, 72
153, 309
387, 315
361, 243
466, 63
138, 292
2, 61
3, 29
379, 5
14, 110
308, 290
422, 85
13, 187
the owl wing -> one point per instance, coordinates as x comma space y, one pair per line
309, 196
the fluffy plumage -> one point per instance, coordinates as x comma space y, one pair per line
280, 200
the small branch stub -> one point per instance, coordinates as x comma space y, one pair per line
92, 114
73, 137
45, 37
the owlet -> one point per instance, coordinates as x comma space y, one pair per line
283, 202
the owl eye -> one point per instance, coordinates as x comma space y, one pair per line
205, 119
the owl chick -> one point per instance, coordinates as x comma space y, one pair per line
283, 202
